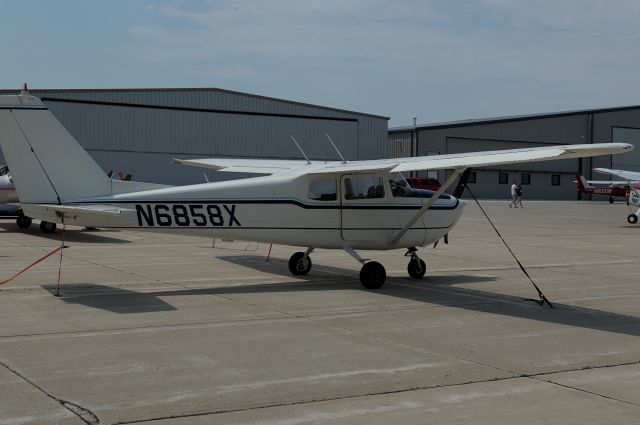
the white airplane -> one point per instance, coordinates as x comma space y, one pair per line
631, 179
335, 205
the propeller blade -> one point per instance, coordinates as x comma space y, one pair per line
462, 183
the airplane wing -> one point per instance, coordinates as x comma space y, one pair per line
631, 176
435, 162
234, 165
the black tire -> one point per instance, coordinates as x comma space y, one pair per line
632, 218
373, 275
23, 222
611, 199
417, 268
47, 227
297, 265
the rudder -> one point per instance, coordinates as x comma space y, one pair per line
48, 165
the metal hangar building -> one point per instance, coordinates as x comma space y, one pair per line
139, 131
542, 180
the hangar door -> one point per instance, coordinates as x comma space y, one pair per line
631, 160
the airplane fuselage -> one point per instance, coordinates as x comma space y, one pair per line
278, 209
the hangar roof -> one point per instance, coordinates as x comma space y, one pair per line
511, 118
193, 89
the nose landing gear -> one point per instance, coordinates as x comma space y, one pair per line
417, 267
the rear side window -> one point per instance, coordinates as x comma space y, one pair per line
322, 190
367, 187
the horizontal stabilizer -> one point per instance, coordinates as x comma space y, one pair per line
85, 210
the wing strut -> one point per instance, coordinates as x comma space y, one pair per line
452, 178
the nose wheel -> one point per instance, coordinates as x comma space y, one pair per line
632, 218
300, 263
417, 267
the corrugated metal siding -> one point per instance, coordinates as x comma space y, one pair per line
535, 131
142, 141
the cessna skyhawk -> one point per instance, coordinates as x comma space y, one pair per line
631, 179
340, 205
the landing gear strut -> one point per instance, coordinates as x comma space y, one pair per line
417, 267
300, 263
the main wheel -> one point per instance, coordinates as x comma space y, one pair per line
372, 275
298, 265
611, 199
47, 227
416, 268
23, 222
632, 218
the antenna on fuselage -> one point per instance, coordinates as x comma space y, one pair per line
344, 161
301, 151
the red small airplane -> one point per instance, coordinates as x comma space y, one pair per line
612, 189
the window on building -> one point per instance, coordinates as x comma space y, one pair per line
472, 177
322, 190
503, 178
555, 179
525, 178
366, 187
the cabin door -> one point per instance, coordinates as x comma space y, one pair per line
365, 205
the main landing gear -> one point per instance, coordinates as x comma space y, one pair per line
300, 263
24, 222
372, 273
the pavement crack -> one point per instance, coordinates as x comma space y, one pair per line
584, 391
84, 414
535, 376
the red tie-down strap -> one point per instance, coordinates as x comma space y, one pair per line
32, 264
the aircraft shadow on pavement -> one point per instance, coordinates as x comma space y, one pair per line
435, 289
114, 299
71, 235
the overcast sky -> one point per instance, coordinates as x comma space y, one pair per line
436, 60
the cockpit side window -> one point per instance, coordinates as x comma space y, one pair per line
323, 190
365, 187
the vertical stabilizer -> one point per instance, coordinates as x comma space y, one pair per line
583, 184
47, 163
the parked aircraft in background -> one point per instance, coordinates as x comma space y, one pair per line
632, 181
10, 203
335, 205
612, 189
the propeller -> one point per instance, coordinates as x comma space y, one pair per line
462, 184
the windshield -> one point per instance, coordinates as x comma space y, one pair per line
399, 186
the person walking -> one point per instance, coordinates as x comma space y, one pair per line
519, 195
514, 195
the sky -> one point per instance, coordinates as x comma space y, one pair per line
436, 60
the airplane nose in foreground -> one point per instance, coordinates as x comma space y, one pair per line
458, 210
